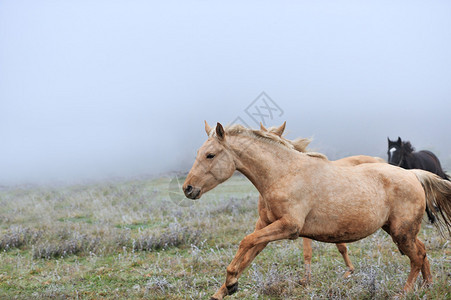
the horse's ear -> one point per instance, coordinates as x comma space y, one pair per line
279, 130
262, 128
388, 139
207, 128
399, 140
220, 131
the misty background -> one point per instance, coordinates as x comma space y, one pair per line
101, 89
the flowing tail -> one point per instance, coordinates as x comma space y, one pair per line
438, 198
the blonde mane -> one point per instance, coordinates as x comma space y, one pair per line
237, 129
299, 144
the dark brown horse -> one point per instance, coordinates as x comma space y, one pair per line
402, 154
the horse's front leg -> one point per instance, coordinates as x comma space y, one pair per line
229, 289
307, 249
251, 254
250, 246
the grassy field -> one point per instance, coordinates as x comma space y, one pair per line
130, 240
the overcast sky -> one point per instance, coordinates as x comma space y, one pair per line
94, 89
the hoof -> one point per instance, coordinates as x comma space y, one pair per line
304, 282
347, 274
398, 296
232, 289
427, 283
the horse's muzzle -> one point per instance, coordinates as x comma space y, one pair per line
191, 192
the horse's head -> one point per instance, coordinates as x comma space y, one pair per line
394, 151
214, 164
398, 151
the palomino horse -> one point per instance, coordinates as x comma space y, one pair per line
300, 145
306, 195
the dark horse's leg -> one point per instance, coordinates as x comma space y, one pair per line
431, 217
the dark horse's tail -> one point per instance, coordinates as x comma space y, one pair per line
438, 195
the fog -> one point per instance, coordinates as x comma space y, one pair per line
102, 89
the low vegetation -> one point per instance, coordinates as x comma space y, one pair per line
130, 240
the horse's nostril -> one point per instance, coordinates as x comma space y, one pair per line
188, 189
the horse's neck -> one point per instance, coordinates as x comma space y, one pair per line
263, 163
410, 161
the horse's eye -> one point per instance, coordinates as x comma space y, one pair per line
210, 156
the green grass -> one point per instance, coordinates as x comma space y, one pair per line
128, 240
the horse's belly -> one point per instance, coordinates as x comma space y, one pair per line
333, 227
339, 237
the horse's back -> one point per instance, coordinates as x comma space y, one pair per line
357, 160
426, 160
390, 176
373, 179
402, 188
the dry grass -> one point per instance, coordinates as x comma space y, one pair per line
129, 240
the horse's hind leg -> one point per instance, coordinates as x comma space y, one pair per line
416, 252
411, 246
307, 249
344, 252
425, 268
